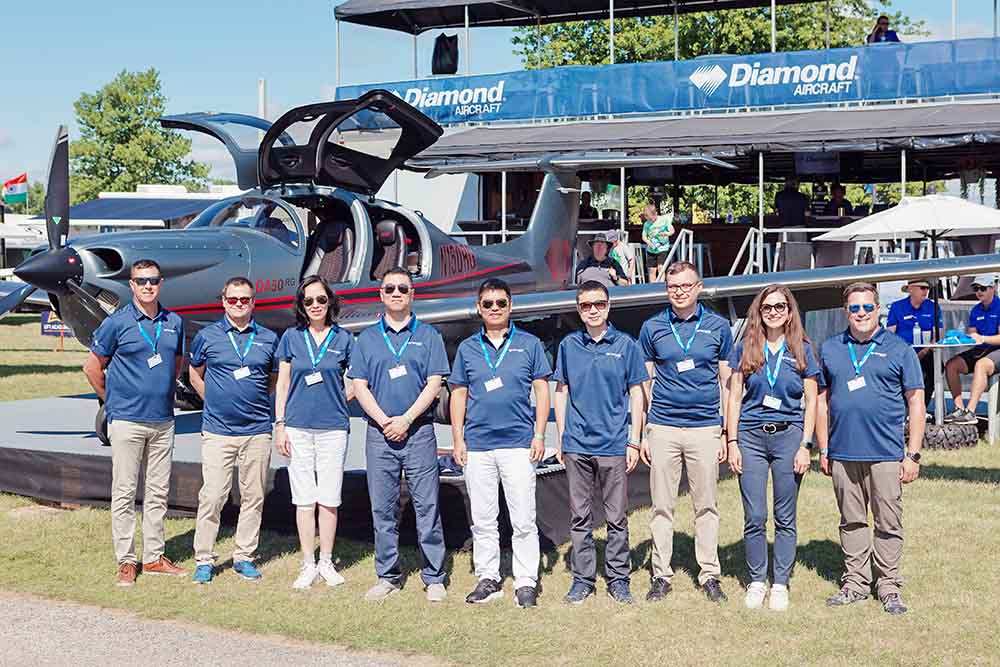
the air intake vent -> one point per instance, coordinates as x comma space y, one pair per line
110, 259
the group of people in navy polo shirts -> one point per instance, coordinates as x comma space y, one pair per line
681, 399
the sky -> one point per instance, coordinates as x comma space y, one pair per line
210, 56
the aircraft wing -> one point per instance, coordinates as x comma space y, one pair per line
37, 301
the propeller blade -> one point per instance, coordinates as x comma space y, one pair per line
12, 301
57, 192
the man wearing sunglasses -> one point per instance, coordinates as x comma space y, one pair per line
915, 314
496, 370
135, 358
871, 381
599, 409
233, 370
984, 359
397, 368
686, 349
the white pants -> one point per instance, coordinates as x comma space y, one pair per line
483, 473
316, 467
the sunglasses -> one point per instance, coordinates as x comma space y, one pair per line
980, 288
778, 308
855, 308
147, 281
321, 300
681, 287
391, 289
243, 300
587, 306
487, 304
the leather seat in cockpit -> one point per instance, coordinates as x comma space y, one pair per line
332, 252
390, 248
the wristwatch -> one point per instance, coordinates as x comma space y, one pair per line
913, 456
824, 452
807, 443
633, 444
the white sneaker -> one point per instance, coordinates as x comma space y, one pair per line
779, 598
329, 573
756, 592
307, 575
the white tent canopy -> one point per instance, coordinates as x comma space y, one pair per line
934, 216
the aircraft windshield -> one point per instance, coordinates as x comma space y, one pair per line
262, 214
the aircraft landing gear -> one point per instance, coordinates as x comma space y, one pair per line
101, 427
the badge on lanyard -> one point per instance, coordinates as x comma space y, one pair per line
686, 364
856, 383
772, 401
495, 382
399, 370
316, 377
859, 381
243, 371
156, 359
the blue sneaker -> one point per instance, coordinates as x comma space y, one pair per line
202, 574
247, 570
578, 592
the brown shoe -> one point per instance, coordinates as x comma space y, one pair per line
126, 575
162, 565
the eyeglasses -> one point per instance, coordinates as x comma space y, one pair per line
778, 308
920, 286
390, 288
243, 300
487, 304
681, 287
321, 300
147, 281
586, 306
855, 308
980, 288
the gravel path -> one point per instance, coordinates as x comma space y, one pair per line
41, 632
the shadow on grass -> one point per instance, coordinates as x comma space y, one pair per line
960, 473
39, 369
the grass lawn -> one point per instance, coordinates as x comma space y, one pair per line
29, 368
953, 589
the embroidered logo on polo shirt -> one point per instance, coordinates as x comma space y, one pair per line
879, 354
616, 355
170, 331
417, 343
515, 349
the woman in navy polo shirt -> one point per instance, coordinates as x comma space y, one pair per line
770, 427
312, 421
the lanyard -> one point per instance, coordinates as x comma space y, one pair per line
854, 357
243, 356
673, 330
772, 379
152, 341
392, 348
503, 351
318, 357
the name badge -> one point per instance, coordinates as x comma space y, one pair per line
241, 372
314, 378
397, 372
856, 383
772, 402
495, 383
154, 360
685, 365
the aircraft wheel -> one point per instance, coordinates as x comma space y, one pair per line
951, 436
101, 427
441, 410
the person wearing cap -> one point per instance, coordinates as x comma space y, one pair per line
984, 359
608, 270
656, 232
908, 315
622, 252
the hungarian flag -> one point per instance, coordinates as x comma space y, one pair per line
15, 191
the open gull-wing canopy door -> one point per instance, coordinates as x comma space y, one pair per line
239, 133
322, 160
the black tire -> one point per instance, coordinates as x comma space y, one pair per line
951, 436
101, 427
442, 413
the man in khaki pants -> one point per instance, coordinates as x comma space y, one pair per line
233, 370
685, 348
135, 357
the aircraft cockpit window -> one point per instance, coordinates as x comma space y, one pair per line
276, 222
259, 213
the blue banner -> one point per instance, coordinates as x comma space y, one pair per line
879, 72
53, 326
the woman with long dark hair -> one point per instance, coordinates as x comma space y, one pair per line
770, 418
311, 423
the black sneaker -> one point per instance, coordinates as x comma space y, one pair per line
658, 590
893, 604
578, 592
844, 597
953, 415
619, 592
966, 417
486, 590
713, 590
526, 596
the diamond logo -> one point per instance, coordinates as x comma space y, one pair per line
708, 78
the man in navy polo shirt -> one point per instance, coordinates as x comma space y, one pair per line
135, 358
397, 368
686, 349
599, 411
872, 379
984, 359
917, 311
233, 370
495, 372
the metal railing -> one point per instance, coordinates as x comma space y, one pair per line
682, 248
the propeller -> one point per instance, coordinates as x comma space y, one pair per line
57, 192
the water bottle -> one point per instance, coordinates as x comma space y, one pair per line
729, 217
918, 334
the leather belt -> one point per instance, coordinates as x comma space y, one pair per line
776, 427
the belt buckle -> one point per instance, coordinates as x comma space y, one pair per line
770, 429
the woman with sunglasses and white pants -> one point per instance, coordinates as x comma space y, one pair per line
311, 423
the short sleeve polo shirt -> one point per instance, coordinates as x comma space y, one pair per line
686, 386
136, 391
903, 315
866, 424
789, 384
320, 405
599, 375
986, 319
499, 413
235, 406
419, 349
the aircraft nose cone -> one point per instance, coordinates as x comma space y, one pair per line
50, 270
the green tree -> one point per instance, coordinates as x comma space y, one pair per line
122, 144
36, 201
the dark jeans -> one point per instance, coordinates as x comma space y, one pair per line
775, 452
416, 457
606, 473
927, 366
